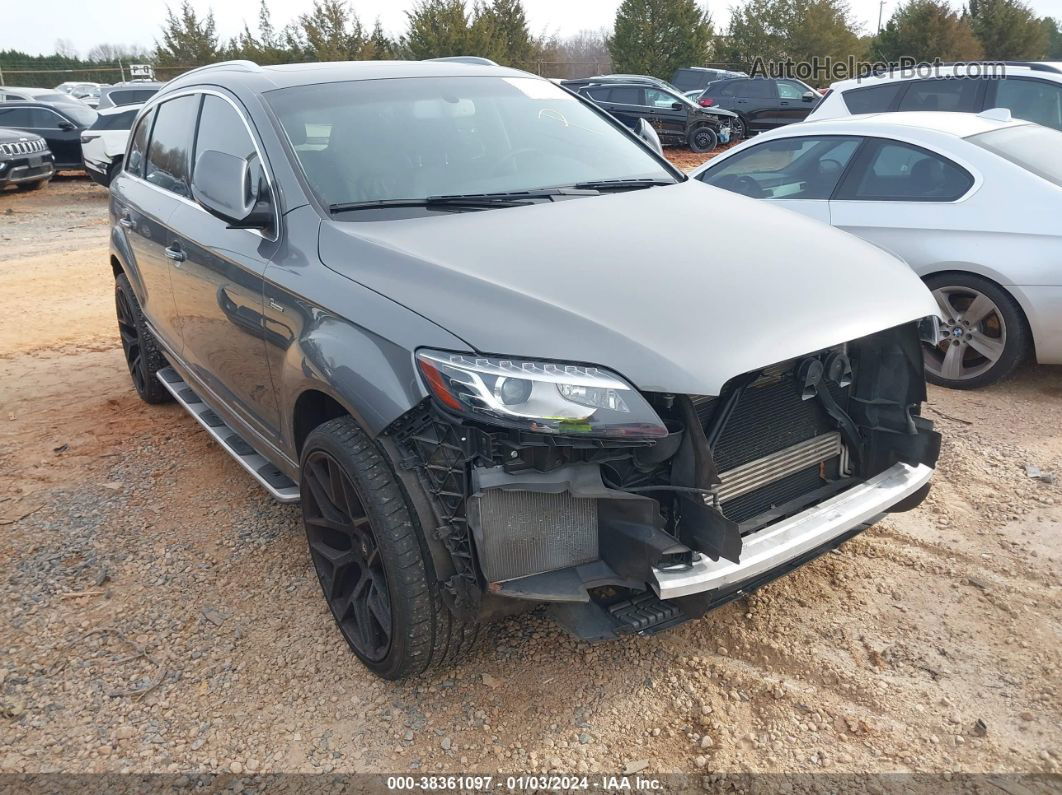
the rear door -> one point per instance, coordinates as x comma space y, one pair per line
141, 207
218, 284
626, 103
757, 100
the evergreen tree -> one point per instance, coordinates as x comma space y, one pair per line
505, 24
381, 47
438, 28
1054, 38
926, 30
187, 40
332, 32
1007, 30
656, 37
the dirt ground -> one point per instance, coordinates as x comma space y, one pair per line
160, 612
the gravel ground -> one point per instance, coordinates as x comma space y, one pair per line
161, 614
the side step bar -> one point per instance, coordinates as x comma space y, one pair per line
272, 479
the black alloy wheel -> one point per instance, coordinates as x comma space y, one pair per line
346, 556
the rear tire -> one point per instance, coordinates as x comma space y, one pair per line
703, 139
142, 355
987, 336
371, 559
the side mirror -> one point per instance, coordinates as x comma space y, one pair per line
809, 96
233, 189
65, 125
676, 106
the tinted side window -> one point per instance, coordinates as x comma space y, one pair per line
115, 121
20, 118
901, 172
1032, 100
171, 144
46, 119
871, 99
134, 164
626, 95
757, 89
956, 94
600, 93
727, 89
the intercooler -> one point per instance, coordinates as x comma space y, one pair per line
775, 446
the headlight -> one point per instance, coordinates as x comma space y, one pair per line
548, 397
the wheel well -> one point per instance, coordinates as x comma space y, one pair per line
116, 266
312, 408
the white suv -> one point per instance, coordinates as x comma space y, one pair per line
103, 144
1032, 92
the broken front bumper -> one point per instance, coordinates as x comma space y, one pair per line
778, 543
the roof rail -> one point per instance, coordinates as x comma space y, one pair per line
243, 65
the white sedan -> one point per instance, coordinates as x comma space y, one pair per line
103, 144
971, 202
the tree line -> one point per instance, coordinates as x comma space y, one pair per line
646, 37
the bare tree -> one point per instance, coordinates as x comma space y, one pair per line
65, 48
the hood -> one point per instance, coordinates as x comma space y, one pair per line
8, 136
719, 112
618, 281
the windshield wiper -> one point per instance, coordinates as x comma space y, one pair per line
622, 184
466, 200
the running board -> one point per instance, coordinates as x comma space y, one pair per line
279, 485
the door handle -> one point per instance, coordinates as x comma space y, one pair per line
784, 102
126, 221
174, 254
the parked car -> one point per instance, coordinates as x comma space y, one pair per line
132, 93
1032, 92
971, 203
103, 144
377, 285
762, 103
25, 160
698, 77
19, 94
677, 121
60, 125
90, 95
583, 82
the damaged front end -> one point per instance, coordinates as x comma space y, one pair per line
646, 510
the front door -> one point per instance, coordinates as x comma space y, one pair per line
668, 121
218, 286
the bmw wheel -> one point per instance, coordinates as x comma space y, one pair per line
985, 334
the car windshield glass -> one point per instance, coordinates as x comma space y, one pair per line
1034, 148
414, 138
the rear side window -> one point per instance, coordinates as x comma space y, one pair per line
954, 94
895, 171
757, 89
1031, 100
115, 121
132, 96
170, 150
871, 99
626, 95
19, 118
134, 164
601, 93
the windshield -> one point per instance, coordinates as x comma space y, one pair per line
414, 138
1034, 148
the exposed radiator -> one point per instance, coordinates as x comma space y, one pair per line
775, 466
528, 532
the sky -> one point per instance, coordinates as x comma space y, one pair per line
34, 27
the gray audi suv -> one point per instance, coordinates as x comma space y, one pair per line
454, 310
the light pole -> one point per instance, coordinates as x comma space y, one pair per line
881, 8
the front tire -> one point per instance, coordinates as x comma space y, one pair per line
703, 139
986, 333
34, 185
370, 557
142, 355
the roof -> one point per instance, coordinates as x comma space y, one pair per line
924, 72
268, 78
959, 125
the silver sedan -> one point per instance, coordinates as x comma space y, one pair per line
971, 202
